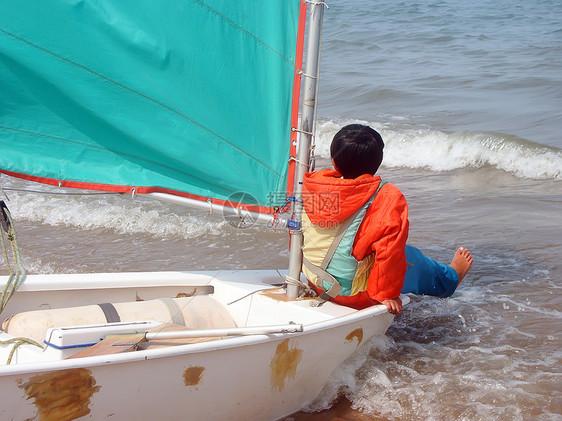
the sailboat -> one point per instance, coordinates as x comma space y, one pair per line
193, 102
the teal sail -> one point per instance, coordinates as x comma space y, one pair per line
192, 97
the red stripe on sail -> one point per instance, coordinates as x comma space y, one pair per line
114, 188
296, 97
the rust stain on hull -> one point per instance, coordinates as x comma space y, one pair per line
192, 375
357, 333
284, 364
61, 395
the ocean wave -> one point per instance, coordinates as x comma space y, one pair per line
440, 151
113, 213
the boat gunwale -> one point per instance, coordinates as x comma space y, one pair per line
253, 282
116, 280
188, 349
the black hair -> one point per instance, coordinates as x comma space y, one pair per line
356, 150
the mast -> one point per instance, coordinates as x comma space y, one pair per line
305, 139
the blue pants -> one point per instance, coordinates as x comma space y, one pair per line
425, 276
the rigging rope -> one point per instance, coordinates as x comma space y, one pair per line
17, 342
14, 264
64, 193
307, 291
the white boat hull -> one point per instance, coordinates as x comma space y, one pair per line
252, 377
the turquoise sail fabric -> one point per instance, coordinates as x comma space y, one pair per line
185, 96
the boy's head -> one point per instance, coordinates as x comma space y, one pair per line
357, 150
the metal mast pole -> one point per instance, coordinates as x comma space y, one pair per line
305, 138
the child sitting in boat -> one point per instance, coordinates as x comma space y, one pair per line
355, 228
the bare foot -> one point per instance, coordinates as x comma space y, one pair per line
462, 261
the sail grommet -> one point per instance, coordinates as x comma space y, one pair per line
294, 129
301, 73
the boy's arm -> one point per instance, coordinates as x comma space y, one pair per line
386, 234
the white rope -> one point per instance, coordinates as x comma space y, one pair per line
251, 294
294, 129
312, 159
300, 72
292, 158
307, 290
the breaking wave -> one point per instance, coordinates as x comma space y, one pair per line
116, 213
441, 151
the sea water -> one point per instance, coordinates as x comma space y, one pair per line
468, 98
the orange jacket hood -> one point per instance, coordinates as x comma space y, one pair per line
328, 197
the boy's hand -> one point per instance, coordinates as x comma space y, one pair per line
394, 306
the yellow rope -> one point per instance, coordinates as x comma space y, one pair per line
17, 342
14, 265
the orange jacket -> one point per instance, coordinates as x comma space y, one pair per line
330, 199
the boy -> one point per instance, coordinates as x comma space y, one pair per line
355, 229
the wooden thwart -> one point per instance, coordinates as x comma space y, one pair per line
118, 343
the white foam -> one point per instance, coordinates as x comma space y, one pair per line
117, 213
344, 379
440, 151
38, 266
